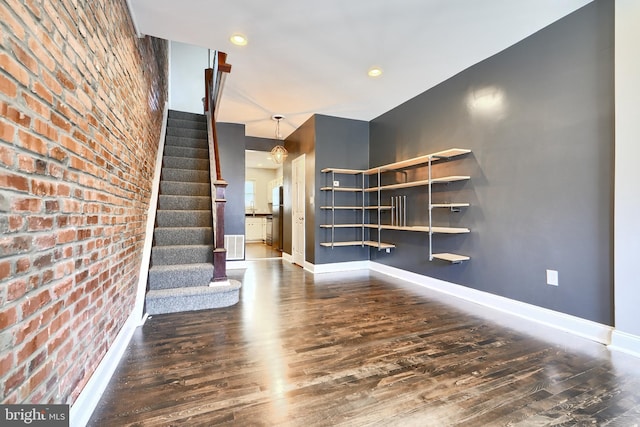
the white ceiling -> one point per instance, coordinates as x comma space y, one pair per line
306, 57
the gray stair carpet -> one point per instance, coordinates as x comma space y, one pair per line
181, 266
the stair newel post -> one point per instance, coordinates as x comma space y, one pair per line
214, 80
219, 251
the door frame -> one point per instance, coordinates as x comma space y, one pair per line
297, 227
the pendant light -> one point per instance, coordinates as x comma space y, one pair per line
278, 153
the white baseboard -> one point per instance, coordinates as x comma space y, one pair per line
337, 267
83, 407
564, 322
625, 342
287, 257
89, 397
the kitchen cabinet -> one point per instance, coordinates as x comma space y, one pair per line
255, 228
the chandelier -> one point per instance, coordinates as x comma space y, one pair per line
278, 153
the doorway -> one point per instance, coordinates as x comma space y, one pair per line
263, 178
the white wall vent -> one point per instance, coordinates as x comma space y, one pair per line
234, 244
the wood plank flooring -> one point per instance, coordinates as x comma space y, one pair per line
362, 349
259, 250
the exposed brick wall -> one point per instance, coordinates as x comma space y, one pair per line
81, 103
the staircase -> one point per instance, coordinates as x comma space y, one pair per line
182, 253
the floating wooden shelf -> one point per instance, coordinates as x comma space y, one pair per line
452, 258
441, 180
450, 205
342, 171
359, 243
421, 161
347, 189
440, 155
416, 228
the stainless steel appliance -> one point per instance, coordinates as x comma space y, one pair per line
269, 234
276, 233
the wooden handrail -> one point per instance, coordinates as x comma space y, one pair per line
214, 82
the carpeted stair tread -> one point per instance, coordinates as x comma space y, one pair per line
178, 188
183, 115
181, 266
189, 133
181, 275
181, 254
173, 202
160, 301
186, 124
185, 163
178, 218
171, 236
177, 141
175, 151
184, 175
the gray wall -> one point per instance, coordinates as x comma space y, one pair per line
232, 146
341, 143
326, 141
541, 168
260, 144
301, 141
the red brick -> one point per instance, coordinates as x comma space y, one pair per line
7, 18
64, 190
55, 171
6, 156
6, 362
39, 377
37, 106
38, 223
43, 128
44, 93
26, 204
66, 236
37, 361
59, 122
23, 265
43, 188
43, 56
43, 261
63, 288
26, 164
58, 153
16, 289
7, 87
45, 242
58, 340
14, 381
34, 303
7, 131
24, 57
13, 181
5, 269
14, 115
51, 206
8, 317
16, 222
14, 68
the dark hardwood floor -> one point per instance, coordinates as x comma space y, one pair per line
360, 349
259, 250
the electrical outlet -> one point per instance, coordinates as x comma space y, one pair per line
336, 183
388, 250
552, 277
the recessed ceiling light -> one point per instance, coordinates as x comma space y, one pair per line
238, 39
374, 72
